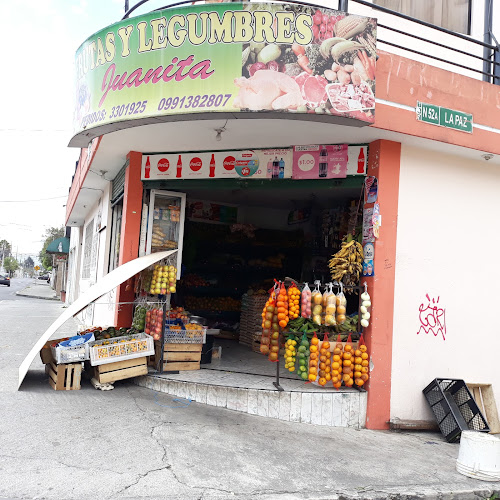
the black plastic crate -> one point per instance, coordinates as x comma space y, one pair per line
454, 408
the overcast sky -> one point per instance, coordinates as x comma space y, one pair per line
39, 40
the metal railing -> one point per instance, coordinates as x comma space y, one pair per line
491, 64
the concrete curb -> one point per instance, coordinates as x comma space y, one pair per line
21, 294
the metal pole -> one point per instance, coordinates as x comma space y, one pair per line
343, 5
488, 26
126, 5
277, 382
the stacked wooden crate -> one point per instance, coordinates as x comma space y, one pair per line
251, 320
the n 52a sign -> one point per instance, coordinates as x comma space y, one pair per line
444, 117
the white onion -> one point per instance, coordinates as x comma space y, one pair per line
366, 303
364, 323
366, 316
365, 296
363, 309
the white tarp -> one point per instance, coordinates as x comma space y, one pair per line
104, 285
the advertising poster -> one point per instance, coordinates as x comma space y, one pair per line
255, 164
368, 235
369, 253
207, 211
228, 57
371, 189
320, 162
357, 157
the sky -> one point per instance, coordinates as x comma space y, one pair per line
39, 40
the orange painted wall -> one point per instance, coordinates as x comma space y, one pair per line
403, 81
130, 234
384, 163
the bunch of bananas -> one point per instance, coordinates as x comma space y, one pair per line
346, 265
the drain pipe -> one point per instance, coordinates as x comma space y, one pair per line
343, 5
488, 27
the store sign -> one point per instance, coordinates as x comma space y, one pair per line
320, 162
247, 164
444, 117
227, 57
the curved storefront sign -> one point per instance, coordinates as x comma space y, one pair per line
229, 57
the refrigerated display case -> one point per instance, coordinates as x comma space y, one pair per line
166, 223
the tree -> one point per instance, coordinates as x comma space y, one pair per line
11, 265
29, 263
50, 235
5, 249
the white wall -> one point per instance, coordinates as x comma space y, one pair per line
447, 235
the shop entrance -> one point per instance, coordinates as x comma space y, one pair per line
241, 235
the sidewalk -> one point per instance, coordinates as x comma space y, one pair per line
39, 290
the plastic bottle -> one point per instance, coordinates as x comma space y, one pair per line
281, 165
179, 167
212, 167
276, 168
147, 169
361, 162
323, 162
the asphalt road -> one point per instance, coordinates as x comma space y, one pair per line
132, 443
16, 284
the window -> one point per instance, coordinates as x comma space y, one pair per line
453, 15
115, 236
87, 250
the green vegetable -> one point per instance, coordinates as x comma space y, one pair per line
269, 53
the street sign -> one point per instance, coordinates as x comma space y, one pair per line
37, 268
444, 117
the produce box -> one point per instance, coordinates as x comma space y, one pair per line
72, 353
185, 334
64, 377
46, 351
179, 357
121, 370
121, 348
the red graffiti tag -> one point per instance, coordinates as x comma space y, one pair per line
432, 318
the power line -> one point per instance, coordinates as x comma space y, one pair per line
30, 201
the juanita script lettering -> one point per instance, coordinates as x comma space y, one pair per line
177, 70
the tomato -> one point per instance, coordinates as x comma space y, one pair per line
318, 17
325, 19
315, 31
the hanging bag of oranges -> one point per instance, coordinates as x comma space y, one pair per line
282, 303
269, 322
293, 302
348, 363
325, 360
338, 352
362, 363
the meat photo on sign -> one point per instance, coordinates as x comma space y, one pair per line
333, 74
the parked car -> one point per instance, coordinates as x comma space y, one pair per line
4, 280
44, 277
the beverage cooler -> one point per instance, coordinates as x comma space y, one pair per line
166, 223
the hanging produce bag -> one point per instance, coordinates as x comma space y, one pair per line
269, 323
341, 303
290, 353
282, 303
306, 302
348, 363
330, 307
364, 308
303, 358
317, 301
362, 366
338, 352
293, 302
313, 359
325, 360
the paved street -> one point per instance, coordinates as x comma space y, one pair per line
9, 292
133, 443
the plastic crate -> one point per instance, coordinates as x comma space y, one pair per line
185, 336
454, 408
63, 354
121, 348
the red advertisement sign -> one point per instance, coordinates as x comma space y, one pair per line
320, 162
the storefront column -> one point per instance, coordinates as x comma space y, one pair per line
130, 233
384, 163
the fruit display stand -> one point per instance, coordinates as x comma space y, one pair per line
46, 350
64, 377
178, 357
121, 349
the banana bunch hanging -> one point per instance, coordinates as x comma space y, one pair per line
346, 265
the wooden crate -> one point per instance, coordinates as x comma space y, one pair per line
64, 377
121, 370
179, 357
485, 400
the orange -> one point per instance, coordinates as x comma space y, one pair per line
283, 323
364, 363
347, 362
322, 359
327, 369
322, 381
336, 357
328, 377
364, 369
264, 349
358, 360
273, 356
313, 363
364, 377
337, 385
357, 374
314, 341
357, 352
312, 378
359, 382
357, 368
281, 316
280, 303
322, 366
313, 370
337, 351
326, 345
363, 348
346, 377
348, 347
364, 355
322, 373
335, 365
347, 355
314, 355
335, 379
313, 348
